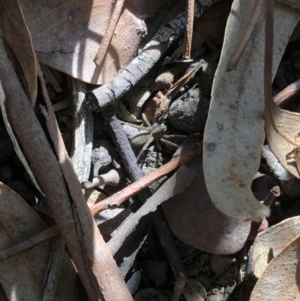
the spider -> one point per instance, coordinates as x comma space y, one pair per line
152, 133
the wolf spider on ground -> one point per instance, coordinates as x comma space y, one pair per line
152, 133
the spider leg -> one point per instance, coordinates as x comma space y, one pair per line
145, 147
146, 120
169, 143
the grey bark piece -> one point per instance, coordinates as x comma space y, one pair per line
83, 131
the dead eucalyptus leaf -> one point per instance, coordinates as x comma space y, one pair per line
280, 280
283, 135
234, 132
269, 243
16, 33
67, 35
22, 276
193, 218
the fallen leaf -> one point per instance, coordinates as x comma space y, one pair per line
16, 33
234, 132
280, 280
283, 135
269, 243
193, 218
67, 35
22, 276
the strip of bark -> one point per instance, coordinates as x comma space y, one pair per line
105, 273
189, 30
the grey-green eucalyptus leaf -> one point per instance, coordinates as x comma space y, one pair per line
234, 132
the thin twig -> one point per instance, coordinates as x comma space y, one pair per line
114, 200
28, 243
187, 45
287, 93
118, 198
113, 20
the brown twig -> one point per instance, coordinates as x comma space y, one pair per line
182, 178
113, 20
183, 80
118, 198
29, 243
114, 200
187, 44
288, 92
106, 278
